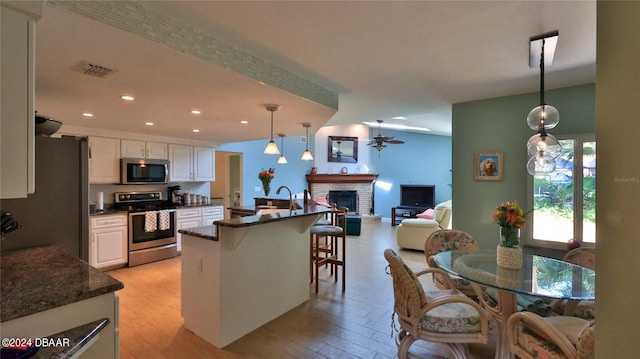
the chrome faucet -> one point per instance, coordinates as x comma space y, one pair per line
290, 195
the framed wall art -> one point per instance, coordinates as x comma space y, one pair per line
342, 149
488, 166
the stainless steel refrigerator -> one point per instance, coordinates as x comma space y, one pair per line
58, 212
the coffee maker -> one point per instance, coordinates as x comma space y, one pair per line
175, 195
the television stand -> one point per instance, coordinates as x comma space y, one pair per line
400, 213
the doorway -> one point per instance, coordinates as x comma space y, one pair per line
228, 183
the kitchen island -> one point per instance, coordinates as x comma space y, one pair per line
243, 272
47, 293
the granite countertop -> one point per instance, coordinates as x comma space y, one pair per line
107, 212
200, 205
41, 278
210, 232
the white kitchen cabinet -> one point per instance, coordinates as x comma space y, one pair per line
187, 218
104, 160
212, 213
196, 217
108, 243
191, 164
142, 149
180, 163
204, 160
17, 171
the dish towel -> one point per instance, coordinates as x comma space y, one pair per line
165, 220
150, 221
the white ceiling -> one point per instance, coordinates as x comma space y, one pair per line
384, 59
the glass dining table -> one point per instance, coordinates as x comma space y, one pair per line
539, 276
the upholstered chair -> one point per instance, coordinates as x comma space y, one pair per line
533, 337
412, 232
441, 316
586, 309
448, 240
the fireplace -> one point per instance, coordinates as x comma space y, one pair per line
320, 185
348, 199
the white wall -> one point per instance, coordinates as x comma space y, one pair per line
321, 149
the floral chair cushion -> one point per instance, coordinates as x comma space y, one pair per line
451, 317
447, 240
539, 348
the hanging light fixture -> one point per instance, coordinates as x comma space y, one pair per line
542, 147
282, 160
272, 148
306, 155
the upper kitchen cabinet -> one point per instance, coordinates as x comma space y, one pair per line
191, 164
204, 164
142, 149
17, 170
104, 160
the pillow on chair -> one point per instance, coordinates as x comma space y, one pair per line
428, 214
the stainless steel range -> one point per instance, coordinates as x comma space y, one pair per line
152, 232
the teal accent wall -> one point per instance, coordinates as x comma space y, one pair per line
499, 125
422, 159
291, 174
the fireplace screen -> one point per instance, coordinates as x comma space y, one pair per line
348, 199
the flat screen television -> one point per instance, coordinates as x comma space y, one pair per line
418, 196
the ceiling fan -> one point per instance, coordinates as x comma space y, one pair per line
378, 141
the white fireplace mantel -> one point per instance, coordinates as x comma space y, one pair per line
320, 184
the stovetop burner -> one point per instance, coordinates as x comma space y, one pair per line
141, 201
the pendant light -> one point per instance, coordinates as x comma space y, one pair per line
272, 148
307, 156
282, 160
542, 147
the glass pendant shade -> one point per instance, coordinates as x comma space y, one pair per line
307, 156
282, 159
545, 116
541, 164
549, 144
271, 149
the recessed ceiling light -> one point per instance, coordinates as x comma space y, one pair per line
195, 130
149, 123
87, 114
244, 122
398, 118
127, 98
195, 112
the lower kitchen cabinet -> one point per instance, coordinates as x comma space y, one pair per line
108, 243
196, 217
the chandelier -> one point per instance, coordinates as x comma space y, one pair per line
542, 148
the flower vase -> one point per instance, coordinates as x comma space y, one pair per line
509, 253
266, 187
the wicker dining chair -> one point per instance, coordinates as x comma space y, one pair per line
560, 337
441, 316
448, 240
585, 257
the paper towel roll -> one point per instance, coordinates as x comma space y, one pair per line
99, 201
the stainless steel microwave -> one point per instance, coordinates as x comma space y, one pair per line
143, 171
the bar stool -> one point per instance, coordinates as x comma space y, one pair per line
333, 253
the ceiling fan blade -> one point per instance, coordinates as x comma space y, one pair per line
395, 142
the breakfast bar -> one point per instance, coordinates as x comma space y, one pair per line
241, 273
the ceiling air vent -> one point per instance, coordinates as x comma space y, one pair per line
87, 68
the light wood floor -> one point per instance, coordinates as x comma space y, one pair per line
356, 324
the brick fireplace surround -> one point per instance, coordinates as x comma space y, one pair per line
320, 184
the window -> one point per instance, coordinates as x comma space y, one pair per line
564, 201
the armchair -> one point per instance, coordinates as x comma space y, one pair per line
441, 316
532, 336
411, 233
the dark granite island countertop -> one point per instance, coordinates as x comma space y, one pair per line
41, 278
272, 215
